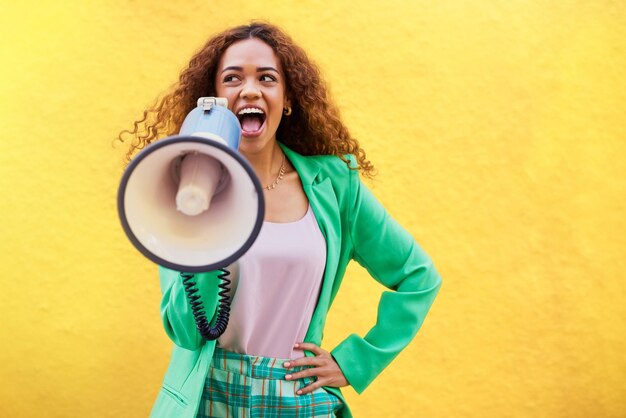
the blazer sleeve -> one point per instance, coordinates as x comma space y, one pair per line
176, 312
394, 259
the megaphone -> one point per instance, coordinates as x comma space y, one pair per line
191, 202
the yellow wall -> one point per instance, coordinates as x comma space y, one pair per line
498, 131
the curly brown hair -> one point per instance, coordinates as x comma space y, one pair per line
313, 128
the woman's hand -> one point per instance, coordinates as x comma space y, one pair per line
323, 367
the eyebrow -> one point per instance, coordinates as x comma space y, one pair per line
259, 69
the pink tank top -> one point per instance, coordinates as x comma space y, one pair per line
277, 289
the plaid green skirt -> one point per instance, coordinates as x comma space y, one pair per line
239, 385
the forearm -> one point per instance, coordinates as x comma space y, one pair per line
401, 313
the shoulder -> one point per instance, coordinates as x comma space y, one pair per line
327, 164
335, 174
333, 164
315, 169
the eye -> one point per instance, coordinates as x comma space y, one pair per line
230, 78
267, 78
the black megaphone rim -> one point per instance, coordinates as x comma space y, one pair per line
161, 261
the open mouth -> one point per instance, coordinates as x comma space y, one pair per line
251, 120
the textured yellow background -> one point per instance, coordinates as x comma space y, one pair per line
498, 131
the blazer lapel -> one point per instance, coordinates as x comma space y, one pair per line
321, 195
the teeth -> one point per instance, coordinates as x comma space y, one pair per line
250, 110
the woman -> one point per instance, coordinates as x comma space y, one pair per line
269, 361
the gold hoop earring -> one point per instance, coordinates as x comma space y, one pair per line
287, 111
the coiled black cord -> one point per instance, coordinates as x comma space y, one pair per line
223, 312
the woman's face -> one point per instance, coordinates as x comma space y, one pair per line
250, 76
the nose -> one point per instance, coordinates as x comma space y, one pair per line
250, 91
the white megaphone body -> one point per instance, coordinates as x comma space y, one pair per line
192, 203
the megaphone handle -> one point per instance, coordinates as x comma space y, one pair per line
223, 312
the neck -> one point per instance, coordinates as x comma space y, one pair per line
265, 162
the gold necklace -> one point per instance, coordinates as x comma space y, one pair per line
281, 173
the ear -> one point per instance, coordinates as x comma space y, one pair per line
287, 102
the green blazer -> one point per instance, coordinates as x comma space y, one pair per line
355, 226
